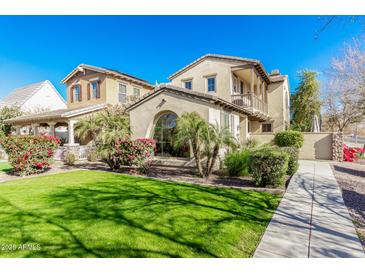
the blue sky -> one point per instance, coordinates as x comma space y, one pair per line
35, 48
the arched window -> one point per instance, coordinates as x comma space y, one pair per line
164, 132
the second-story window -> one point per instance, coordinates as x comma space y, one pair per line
122, 94
77, 93
211, 84
94, 89
136, 92
188, 84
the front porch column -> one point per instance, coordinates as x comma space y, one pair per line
244, 134
71, 132
252, 84
51, 131
35, 129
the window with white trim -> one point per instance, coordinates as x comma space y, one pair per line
94, 89
211, 84
188, 84
77, 93
122, 93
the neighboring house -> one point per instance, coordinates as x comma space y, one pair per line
89, 85
233, 92
34, 98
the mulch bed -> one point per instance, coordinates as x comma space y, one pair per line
351, 178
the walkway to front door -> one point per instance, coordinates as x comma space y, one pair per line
312, 220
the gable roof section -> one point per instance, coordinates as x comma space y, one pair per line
19, 96
256, 63
212, 99
58, 114
108, 71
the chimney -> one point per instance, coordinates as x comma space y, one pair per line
275, 72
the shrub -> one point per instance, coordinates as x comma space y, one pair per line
250, 143
137, 152
352, 154
70, 159
237, 163
268, 166
92, 156
289, 138
293, 163
29, 154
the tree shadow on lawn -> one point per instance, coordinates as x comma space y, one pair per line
134, 217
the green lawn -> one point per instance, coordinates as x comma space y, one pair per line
5, 166
101, 214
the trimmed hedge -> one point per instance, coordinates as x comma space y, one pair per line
238, 163
293, 163
29, 154
289, 138
268, 166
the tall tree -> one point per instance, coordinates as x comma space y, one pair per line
344, 93
305, 103
7, 113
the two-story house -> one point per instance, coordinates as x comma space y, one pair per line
89, 85
233, 92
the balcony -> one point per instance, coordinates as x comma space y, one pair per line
252, 102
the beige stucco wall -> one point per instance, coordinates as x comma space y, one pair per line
84, 81
112, 87
316, 145
144, 116
278, 96
278, 93
198, 74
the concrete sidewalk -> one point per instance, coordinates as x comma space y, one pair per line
312, 220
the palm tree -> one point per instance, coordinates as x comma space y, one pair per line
205, 140
105, 128
190, 131
88, 128
215, 138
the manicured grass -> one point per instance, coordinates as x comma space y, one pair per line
5, 166
101, 214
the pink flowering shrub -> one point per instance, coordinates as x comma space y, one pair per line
137, 152
351, 154
29, 154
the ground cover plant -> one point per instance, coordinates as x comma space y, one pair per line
102, 214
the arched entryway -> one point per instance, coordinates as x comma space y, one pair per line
164, 133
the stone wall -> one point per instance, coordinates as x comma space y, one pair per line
337, 146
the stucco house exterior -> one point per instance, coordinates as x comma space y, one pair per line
36, 97
90, 85
233, 92
89, 89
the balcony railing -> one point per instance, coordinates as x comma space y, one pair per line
249, 100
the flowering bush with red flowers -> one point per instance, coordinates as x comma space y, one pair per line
351, 154
137, 152
30, 154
